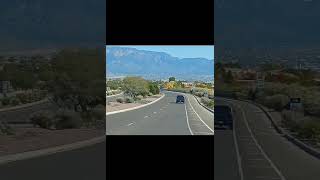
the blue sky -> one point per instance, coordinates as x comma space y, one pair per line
181, 51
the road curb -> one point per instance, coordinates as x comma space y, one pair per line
312, 151
133, 108
297, 142
203, 105
48, 151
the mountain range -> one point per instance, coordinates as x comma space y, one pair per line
131, 61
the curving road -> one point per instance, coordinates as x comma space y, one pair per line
81, 164
163, 117
255, 151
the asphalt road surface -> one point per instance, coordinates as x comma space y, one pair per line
163, 117
255, 151
88, 163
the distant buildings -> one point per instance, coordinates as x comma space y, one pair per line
5, 88
187, 84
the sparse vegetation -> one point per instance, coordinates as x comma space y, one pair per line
120, 100
207, 102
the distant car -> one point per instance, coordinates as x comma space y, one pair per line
223, 117
180, 99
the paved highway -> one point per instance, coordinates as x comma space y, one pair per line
163, 117
88, 163
255, 151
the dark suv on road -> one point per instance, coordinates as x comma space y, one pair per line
180, 99
223, 117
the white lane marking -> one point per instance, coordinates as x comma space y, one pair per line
146, 116
239, 161
259, 147
160, 109
130, 124
154, 112
199, 116
185, 108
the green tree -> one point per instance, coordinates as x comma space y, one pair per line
79, 79
134, 86
172, 79
153, 88
114, 84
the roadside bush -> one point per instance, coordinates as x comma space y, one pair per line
150, 94
5, 101
95, 117
276, 102
309, 129
120, 100
207, 102
67, 119
129, 100
24, 97
139, 97
211, 96
14, 101
153, 88
99, 112
5, 129
199, 94
43, 119
288, 121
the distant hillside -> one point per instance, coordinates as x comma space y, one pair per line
130, 61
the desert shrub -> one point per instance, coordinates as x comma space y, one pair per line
309, 129
211, 96
150, 94
5, 101
24, 97
67, 119
14, 101
129, 100
120, 100
276, 102
95, 117
43, 119
153, 88
139, 97
199, 94
288, 121
183, 90
6, 129
207, 102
